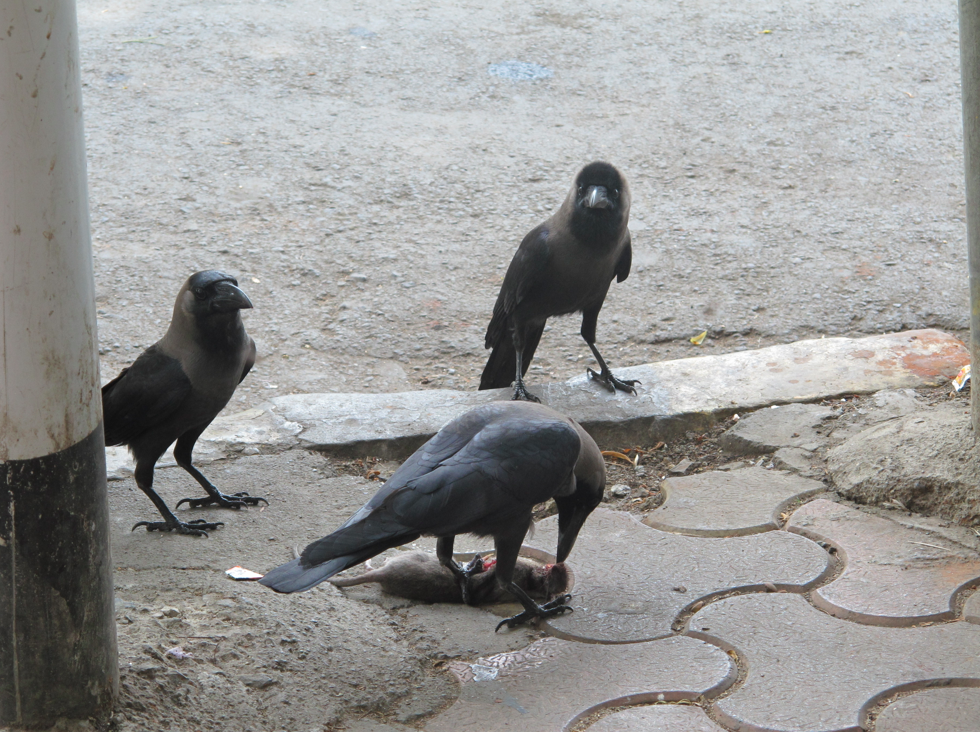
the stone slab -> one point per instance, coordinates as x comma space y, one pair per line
893, 575
796, 460
553, 682
228, 435
933, 710
927, 460
728, 503
366, 724
631, 581
892, 403
811, 672
657, 718
789, 425
881, 407
675, 396
258, 427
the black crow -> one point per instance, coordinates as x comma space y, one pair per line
563, 266
483, 473
177, 386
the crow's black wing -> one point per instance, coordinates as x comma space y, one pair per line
508, 467
449, 440
249, 362
374, 525
625, 260
489, 466
143, 396
523, 274
504, 470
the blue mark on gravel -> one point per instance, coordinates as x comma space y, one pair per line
362, 32
520, 71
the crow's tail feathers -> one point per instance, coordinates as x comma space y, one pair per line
294, 576
499, 371
502, 364
351, 544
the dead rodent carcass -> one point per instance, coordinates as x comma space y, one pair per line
420, 576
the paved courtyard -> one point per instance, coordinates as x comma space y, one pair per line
805, 625
755, 597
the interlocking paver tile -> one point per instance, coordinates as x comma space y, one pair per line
658, 718
631, 580
892, 573
552, 682
728, 503
811, 672
933, 710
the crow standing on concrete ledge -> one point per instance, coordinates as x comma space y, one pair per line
177, 386
482, 474
563, 266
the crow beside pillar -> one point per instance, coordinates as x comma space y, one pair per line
176, 388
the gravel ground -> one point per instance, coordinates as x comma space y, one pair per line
796, 170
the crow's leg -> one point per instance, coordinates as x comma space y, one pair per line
144, 479
182, 453
507, 552
605, 376
462, 573
520, 391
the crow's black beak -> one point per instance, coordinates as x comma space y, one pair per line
570, 521
228, 297
595, 197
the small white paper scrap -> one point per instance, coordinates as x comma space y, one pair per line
240, 573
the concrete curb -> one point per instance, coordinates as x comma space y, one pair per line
675, 396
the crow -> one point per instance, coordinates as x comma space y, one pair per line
177, 386
483, 473
563, 266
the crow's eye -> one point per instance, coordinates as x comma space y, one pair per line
580, 189
615, 193
199, 293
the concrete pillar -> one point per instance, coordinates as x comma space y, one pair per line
970, 75
57, 631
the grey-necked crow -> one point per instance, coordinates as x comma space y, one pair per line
563, 266
177, 386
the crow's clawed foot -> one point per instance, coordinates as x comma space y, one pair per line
521, 394
612, 383
200, 527
558, 606
236, 500
474, 566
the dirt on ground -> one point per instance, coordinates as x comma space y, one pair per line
200, 651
